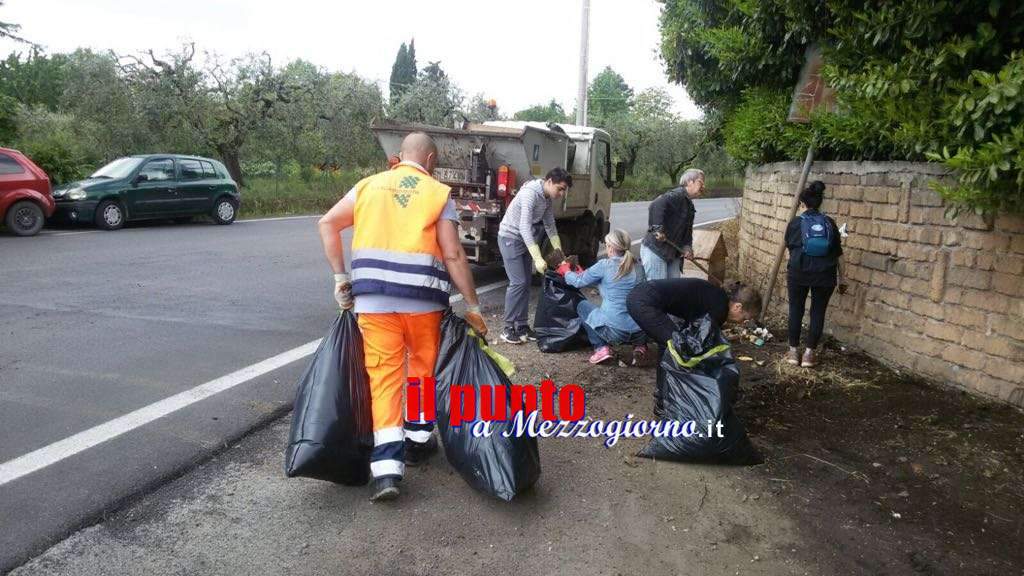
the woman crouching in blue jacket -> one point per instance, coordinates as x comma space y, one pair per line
610, 323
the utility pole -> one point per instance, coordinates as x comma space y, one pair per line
581, 96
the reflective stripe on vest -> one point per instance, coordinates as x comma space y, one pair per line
402, 274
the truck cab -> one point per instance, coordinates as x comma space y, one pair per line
485, 164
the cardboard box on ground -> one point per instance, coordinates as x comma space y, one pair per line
709, 251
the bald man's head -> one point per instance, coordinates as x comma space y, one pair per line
419, 147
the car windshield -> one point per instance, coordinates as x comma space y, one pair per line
119, 168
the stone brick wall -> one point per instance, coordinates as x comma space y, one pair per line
941, 298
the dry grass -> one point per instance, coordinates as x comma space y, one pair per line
830, 376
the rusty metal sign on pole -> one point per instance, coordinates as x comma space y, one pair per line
811, 94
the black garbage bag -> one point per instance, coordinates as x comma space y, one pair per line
558, 326
332, 426
496, 465
703, 389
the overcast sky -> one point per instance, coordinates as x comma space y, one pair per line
519, 52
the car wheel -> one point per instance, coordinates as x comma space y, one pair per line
224, 210
24, 218
109, 215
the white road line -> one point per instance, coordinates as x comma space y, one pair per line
62, 449
72, 233
480, 290
280, 218
709, 222
53, 453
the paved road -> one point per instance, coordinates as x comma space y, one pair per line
96, 325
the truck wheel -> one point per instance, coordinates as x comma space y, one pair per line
24, 218
587, 241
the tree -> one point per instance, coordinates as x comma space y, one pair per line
35, 78
674, 146
552, 112
607, 96
432, 99
348, 106
482, 110
403, 71
8, 29
634, 129
94, 91
8, 120
222, 104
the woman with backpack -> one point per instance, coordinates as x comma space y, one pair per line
814, 245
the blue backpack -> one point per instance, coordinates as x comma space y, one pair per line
817, 233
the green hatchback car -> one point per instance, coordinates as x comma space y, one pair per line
150, 187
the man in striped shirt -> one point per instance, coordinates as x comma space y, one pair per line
520, 250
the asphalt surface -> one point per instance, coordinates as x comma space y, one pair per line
95, 325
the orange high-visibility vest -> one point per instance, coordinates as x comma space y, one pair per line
394, 246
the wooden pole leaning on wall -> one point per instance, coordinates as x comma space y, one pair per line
774, 274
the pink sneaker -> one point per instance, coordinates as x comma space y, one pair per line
602, 354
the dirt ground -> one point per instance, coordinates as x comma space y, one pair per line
866, 471
892, 474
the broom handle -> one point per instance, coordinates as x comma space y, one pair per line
695, 263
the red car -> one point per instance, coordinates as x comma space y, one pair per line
26, 199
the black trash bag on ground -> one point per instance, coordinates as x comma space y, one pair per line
702, 389
332, 426
558, 326
496, 465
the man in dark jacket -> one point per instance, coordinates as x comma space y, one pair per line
670, 228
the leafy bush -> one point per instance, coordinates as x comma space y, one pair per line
60, 144
757, 131
989, 120
292, 195
915, 80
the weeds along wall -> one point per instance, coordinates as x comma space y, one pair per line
941, 298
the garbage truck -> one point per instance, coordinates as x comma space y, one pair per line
486, 163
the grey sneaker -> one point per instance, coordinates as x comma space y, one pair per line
793, 356
809, 360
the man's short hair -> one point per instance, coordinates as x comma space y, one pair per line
690, 175
558, 176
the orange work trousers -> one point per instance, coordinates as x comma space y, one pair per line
389, 339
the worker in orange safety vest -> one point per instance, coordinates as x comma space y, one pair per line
406, 253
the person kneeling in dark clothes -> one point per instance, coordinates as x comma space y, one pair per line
814, 246
651, 304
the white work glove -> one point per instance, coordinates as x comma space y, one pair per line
343, 291
475, 320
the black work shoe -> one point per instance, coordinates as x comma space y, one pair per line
384, 489
417, 453
513, 336
528, 333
